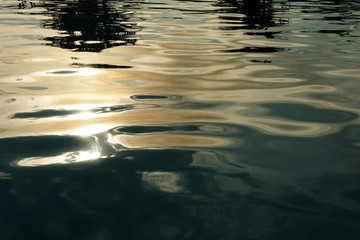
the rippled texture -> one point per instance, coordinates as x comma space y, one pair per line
175, 119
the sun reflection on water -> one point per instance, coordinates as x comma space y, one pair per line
89, 153
90, 129
66, 158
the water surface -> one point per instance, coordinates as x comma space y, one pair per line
169, 119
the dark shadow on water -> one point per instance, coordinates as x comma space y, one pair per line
92, 25
254, 50
158, 194
258, 15
337, 13
102, 66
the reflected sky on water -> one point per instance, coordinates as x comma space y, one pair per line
146, 119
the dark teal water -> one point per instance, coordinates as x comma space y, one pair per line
169, 119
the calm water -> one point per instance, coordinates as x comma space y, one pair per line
169, 119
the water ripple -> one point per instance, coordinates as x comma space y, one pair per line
307, 113
148, 97
48, 113
179, 119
